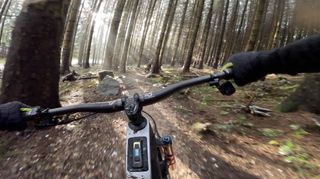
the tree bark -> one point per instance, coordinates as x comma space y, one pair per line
177, 43
220, 44
68, 34
121, 36
33, 59
155, 30
276, 36
113, 34
145, 30
168, 29
85, 36
231, 32
306, 96
204, 37
74, 36
195, 31
4, 19
4, 7
217, 34
247, 28
86, 63
129, 35
272, 29
259, 45
256, 25
237, 38
155, 68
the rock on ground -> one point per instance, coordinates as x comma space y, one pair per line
109, 86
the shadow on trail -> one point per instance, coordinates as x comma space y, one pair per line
241, 149
200, 160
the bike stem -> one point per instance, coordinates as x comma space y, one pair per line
133, 108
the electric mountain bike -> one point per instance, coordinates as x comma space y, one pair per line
148, 155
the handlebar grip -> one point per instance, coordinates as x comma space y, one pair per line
29, 113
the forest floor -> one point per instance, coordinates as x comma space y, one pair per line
213, 136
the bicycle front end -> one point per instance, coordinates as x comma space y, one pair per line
148, 155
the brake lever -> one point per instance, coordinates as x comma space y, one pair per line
225, 88
30, 113
38, 115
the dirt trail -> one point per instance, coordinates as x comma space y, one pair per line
94, 147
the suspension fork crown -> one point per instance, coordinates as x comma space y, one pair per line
133, 108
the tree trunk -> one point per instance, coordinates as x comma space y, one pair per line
145, 30
155, 30
33, 59
4, 19
113, 34
193, 38
247, 28
82, 48
231, 32
275, 23
133, 44
68, 34
74, 35
293, 22
86, 63
177, 43
85, 36
259, 45
121, 35
256, 25
217, 34
129, 35
306, 96
278, 24
168, 29
220, 44
1, 3
155, 68
3, 9
187, 40
237, 38
204, 37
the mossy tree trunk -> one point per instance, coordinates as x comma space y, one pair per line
307, 96
31, 73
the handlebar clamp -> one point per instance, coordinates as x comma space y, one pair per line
133, 108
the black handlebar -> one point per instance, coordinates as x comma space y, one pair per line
145, 99
101, 107
153, 97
